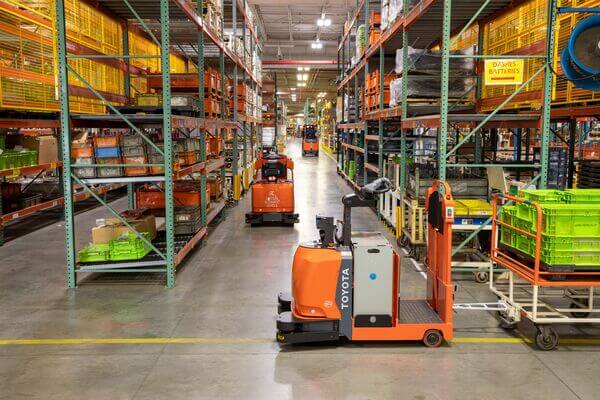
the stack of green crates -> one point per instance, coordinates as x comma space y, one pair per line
128, 247
570, 227
352, 169
11, 159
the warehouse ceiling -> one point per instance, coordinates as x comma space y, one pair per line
289, 28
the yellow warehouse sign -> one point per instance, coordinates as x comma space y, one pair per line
504, 72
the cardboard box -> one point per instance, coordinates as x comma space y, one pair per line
46, 146
113, 228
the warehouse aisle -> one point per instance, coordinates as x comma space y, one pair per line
212, 336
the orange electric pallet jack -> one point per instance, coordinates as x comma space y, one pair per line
273, 192
310, 142
347, 288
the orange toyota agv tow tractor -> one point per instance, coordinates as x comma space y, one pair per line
273, 192
310, 142
348, 287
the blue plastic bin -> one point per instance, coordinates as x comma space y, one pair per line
107, 152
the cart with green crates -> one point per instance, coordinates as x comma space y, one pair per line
570, 228
548, 241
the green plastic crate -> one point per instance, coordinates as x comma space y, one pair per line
13, 160
94, 253
542, 195
28, 158
507, 215
575, 258
129, 247
574, 220
577, 196
561, 250
553, 243
352, 169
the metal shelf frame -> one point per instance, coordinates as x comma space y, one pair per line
167, 13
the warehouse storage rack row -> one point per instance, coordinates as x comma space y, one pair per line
383, 114
29, 103
391, 125
171, 153
28, 93
31, 179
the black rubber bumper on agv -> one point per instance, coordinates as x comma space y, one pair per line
281, 218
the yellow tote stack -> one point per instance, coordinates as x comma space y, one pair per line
28, 56
524, 28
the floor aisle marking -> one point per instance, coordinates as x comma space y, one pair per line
83, 341
75, 341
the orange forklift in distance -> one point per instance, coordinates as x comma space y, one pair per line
310, 141
347, 288
273, 191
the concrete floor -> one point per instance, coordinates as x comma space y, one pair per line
222, 312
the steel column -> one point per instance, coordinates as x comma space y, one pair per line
127, 80
276, 109
571, 159
547, 93
244, 124
201, 95
443, 129
381, 106
127, 84
167, 140
65, 129
235, 153
404, 103
366, 125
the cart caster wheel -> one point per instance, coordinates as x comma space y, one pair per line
433, 338
482, 277
403, 241
418, 254
505, 322
578, 314
546, 338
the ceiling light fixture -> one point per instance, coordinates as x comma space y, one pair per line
323, 21
316, 45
